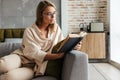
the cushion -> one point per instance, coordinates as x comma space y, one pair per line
2, 35
8, 33
7, 48
11, 33
14, 33
54, 68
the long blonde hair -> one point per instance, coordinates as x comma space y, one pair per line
40, 8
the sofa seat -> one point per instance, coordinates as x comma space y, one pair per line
45, 78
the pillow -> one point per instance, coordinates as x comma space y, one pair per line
14, 33
18, 33
8, 33
2, 35
54, 68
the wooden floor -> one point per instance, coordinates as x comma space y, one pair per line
103, 71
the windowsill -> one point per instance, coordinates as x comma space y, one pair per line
117, 65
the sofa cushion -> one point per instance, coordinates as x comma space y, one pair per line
2, 35
54, 68
7, 48
11, 33
45, 78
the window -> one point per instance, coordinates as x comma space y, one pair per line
115, 30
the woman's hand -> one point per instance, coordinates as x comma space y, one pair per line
78, 46
54, 56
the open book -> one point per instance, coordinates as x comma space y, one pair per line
68, 43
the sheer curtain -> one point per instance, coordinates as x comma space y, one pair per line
115, 30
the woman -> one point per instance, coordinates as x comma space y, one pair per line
37, 43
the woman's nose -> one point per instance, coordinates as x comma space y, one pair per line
53, 15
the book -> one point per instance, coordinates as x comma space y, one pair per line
68, 43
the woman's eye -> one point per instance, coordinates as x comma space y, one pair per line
50, 14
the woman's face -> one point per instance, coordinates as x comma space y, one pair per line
49, 15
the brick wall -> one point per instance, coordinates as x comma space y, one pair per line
86, 11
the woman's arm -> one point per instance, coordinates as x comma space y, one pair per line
53, 56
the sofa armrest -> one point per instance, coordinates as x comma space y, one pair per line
75, 66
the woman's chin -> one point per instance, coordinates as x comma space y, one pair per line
52, 22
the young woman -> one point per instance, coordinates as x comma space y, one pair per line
38, 41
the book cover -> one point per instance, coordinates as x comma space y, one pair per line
68, 43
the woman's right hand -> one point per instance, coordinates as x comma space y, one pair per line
54, 56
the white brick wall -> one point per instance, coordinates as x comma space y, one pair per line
85, 11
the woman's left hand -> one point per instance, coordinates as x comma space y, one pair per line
78, 46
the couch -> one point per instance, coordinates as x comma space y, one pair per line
75, 65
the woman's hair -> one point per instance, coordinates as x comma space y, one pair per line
40, 8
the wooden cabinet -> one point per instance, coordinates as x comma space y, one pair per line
94, 45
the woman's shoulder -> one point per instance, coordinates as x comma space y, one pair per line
30, 28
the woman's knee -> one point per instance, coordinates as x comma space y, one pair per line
9, 62
18, 74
